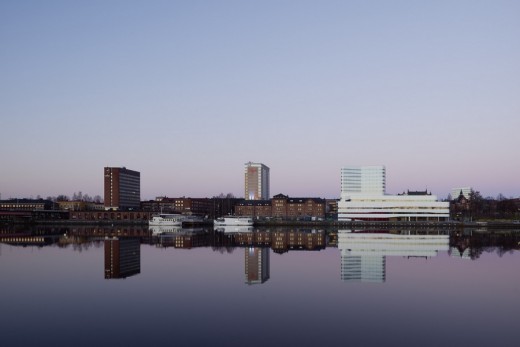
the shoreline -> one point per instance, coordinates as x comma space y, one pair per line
452, 225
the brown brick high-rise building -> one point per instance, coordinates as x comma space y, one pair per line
122, 189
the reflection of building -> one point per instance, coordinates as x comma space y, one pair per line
282, 241
363, 255
190, 240
28, 240
256, 181
363, 197
460, 253
122, 189
257, 266
122, 257
366, 268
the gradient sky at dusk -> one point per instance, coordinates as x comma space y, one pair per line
186, 92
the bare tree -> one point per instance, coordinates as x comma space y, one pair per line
62, 198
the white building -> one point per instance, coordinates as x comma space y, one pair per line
256, 185
363, 198
363, 180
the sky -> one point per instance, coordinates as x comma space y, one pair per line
187, 92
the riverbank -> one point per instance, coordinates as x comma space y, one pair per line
328, 224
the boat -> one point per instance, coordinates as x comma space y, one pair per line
233, 220
166, 220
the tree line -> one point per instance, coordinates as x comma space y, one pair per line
76, 196
478, 207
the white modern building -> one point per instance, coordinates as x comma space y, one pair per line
256, 185
366, 180
363, 197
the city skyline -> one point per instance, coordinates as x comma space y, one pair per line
337, 196
186, 93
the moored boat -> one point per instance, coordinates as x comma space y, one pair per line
166, 220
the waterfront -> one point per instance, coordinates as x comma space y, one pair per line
282, 286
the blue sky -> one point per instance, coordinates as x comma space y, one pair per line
186, 92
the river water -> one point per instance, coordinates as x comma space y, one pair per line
89, 286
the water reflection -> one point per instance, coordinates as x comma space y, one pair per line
288, 278
471, 244
257, 265
363, 255
122, 257
234, 229
158, 230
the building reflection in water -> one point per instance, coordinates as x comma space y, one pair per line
463, 254
363, 255
257, 265
122, 257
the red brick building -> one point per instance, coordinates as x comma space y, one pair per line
110, 215
282, 206
122, 188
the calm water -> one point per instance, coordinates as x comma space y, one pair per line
71, 287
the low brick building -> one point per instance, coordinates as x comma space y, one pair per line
26, 205
80, 206
110, 216
282, 206
254, 208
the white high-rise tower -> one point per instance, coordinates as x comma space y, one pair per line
256, 181
366, 180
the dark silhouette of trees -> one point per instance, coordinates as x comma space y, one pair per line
478, 207
476, 203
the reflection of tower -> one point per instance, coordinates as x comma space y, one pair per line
257, 265
363, 255
462, 253
364, 268
122, 257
